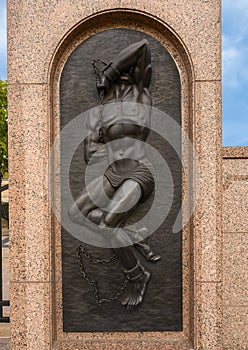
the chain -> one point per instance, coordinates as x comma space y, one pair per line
82, 252
101, 139
98, 77
96, 70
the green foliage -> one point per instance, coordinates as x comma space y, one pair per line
3, 127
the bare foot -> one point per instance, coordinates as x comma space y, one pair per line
136, 291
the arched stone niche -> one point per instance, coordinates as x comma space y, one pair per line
132, 26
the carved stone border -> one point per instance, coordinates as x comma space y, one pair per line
141, 22
34, 32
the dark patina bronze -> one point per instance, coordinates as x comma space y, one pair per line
91, 274
127, 78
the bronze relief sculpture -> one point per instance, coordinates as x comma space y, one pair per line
120, 185
122, 123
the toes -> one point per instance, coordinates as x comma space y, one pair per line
125, 300
139, 300
129, 306
151, 257
133, 302
155, 258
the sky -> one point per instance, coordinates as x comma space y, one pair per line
235, 72
234, 68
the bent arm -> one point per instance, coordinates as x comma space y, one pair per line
92, 142
136, 57
91, 145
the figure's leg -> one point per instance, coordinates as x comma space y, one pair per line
127, 196
143, 247
84, 204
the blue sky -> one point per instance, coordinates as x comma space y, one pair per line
235, 72
235, 68
3, 40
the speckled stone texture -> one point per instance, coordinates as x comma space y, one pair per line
235, 248
36, 31
4, 344
41, 37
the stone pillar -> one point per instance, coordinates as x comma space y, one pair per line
235, 247
41, 36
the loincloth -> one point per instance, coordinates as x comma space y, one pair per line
141, 174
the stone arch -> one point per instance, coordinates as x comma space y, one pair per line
168, 38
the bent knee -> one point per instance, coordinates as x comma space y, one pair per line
75, 212
109, 219
132, 187
95, 216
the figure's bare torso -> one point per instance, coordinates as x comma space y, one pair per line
125, 117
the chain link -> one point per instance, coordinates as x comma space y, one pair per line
82, 253
96, 70
98, 77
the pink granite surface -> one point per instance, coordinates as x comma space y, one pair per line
4, 343
208, 316
134, 345
30, 315
235, 271
235, 194
29, 213
235, 248
208, 151
235, 152
235, 321
40, 38
34, 32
